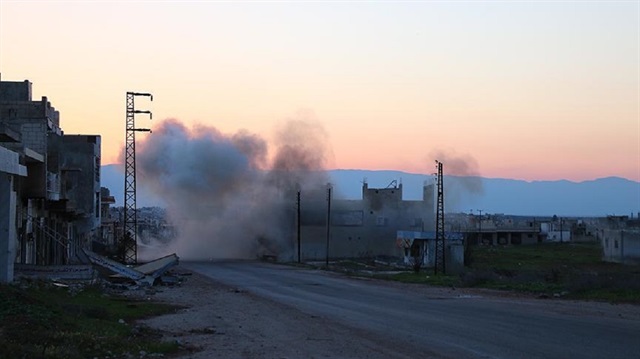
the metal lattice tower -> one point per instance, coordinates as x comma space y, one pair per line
440, 247
129, 240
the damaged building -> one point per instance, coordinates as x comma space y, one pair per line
50, 196
365, 228
619, 237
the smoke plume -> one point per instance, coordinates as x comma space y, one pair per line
462, 177
223, 196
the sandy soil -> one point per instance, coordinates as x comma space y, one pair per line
222, 322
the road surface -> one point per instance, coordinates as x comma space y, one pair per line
443, 323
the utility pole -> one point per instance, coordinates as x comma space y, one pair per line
298, 222
480, 228
328, 222
440, 237
130, 255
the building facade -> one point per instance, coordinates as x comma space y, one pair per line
620, 239
364, 228
56, 184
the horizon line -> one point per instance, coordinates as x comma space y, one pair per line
460, 175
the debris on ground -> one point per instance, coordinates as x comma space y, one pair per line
56, 272
145, 274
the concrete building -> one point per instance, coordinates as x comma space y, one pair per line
495, 229
81, 194
56, 184
39, 240
556, 231
621, 245
421, 247
620, 239
10, 171
108, 222
364, 228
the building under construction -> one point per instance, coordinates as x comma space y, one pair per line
50, 195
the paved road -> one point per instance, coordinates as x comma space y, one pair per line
443, 323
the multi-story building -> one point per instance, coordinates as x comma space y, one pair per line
109, 222
366, 227
10, 172
57, 207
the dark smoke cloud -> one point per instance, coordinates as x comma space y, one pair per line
222, 194
299, 156
462, 177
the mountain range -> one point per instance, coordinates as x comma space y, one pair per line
599, 197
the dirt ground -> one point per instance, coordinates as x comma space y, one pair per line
222, 322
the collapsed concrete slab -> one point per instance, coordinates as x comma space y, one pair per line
157, 267
144, 274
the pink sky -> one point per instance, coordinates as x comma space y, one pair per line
531, 91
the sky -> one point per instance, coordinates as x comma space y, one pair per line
526, 90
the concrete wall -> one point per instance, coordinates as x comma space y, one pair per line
80, 163
38, 124
364, 228
559, 236
9, 168
7, 227
426, 250
15, 90
17, 112
34, 136
10, 162
621, 245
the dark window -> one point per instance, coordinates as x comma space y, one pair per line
97, 169
97, 204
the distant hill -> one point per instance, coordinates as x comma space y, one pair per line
600, 197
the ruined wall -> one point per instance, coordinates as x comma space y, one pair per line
364, 228
38, 123
80, 161
16, 91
